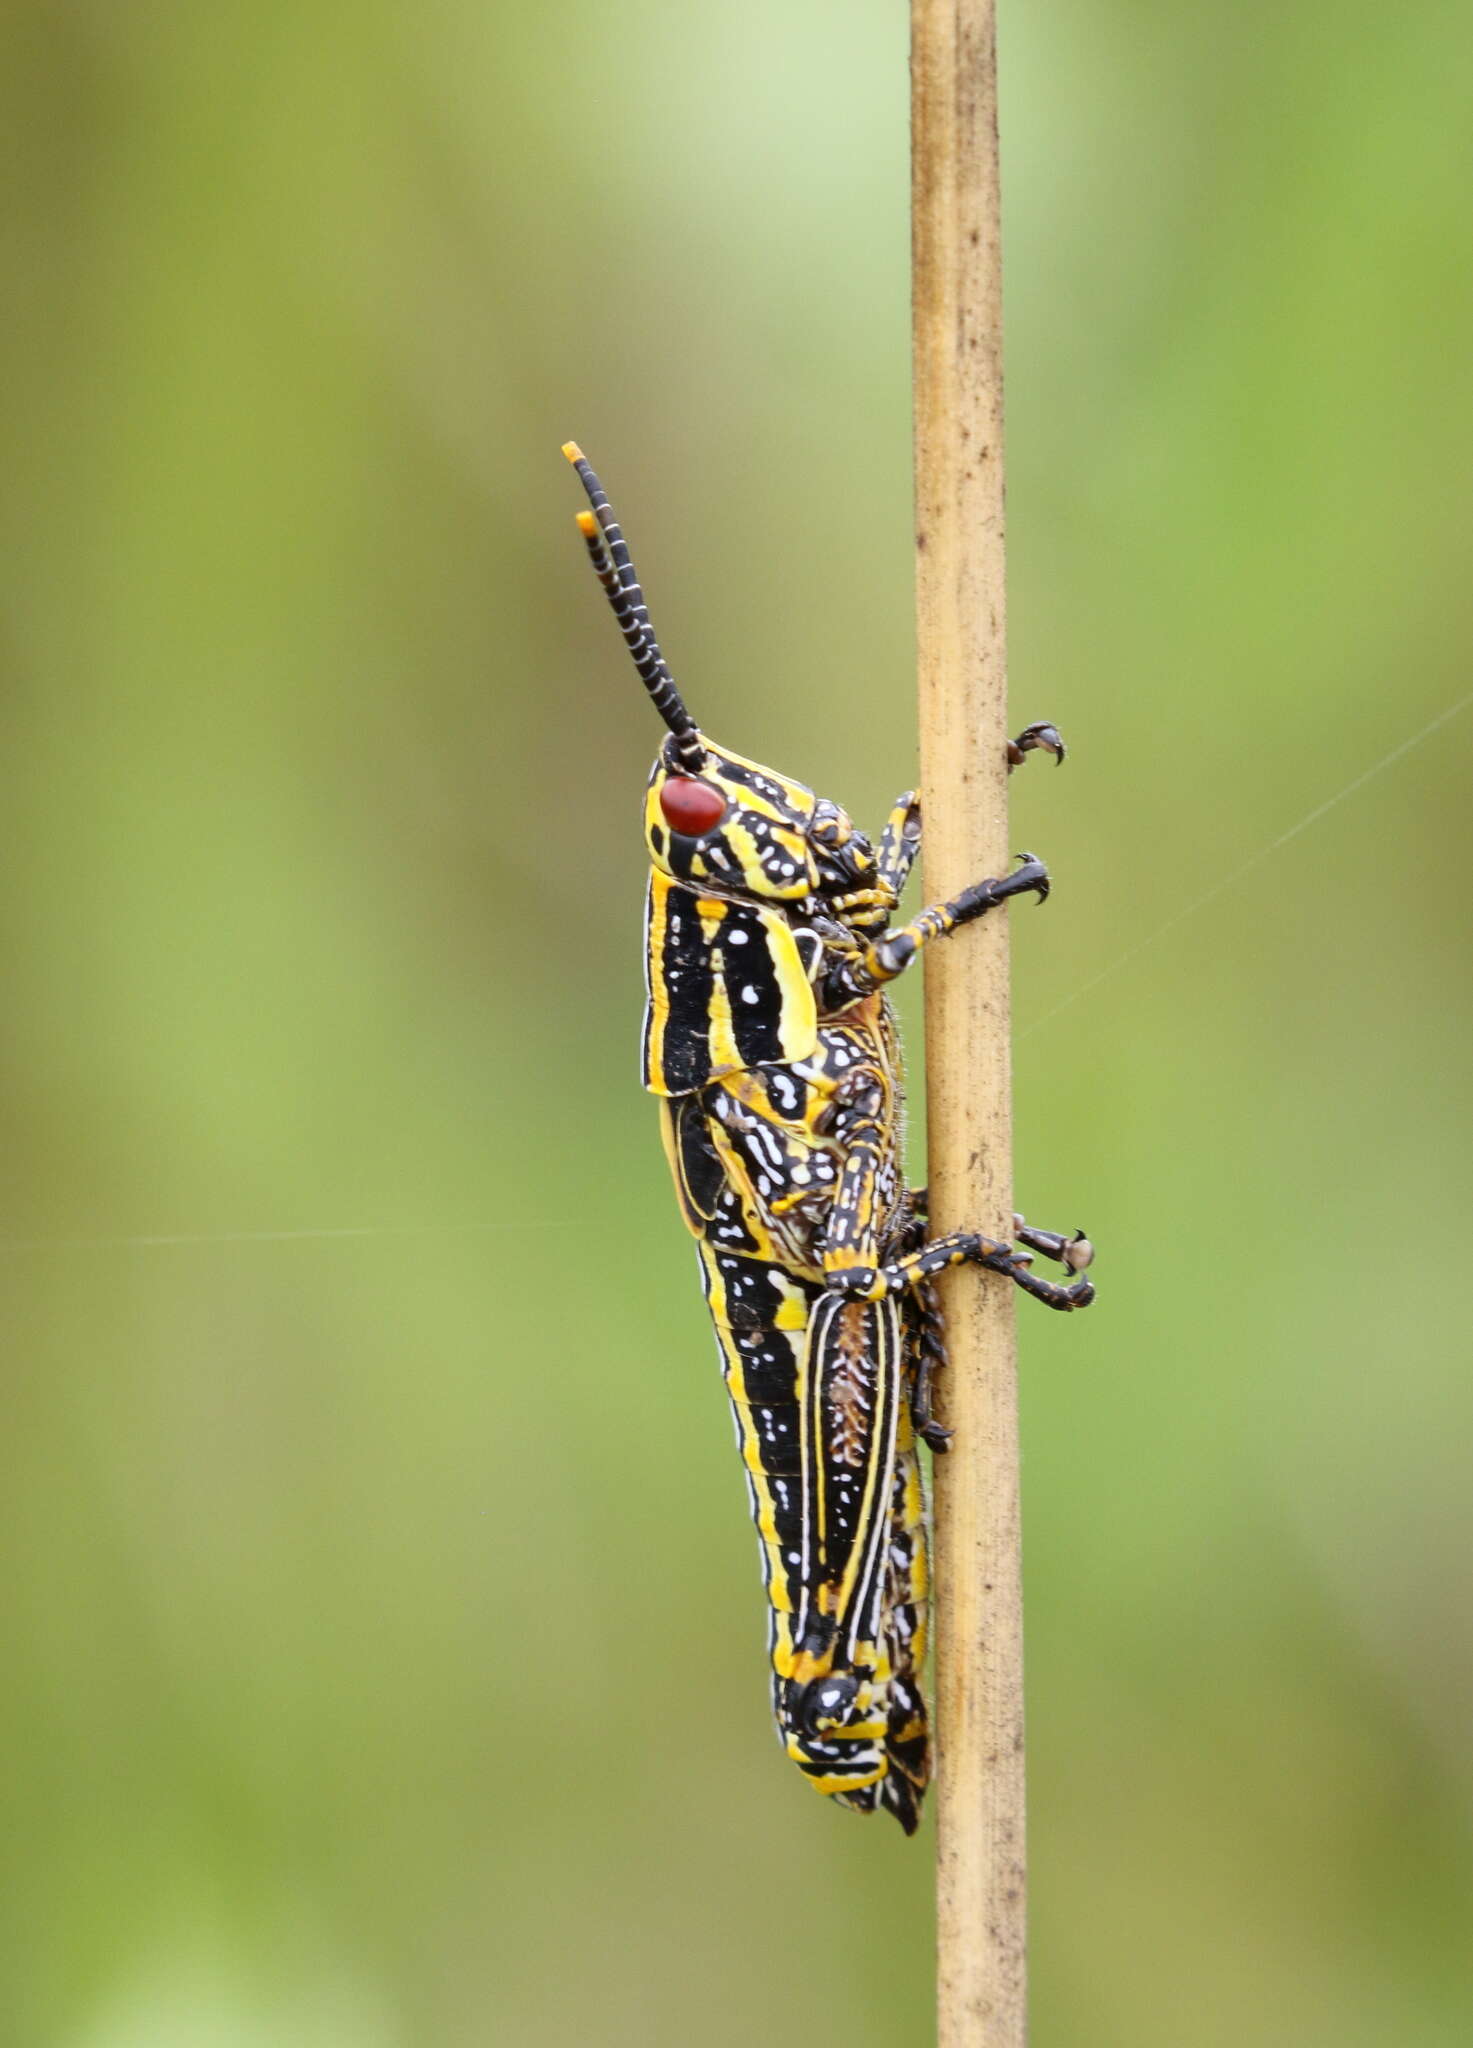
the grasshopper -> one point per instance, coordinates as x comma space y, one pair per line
773, 1051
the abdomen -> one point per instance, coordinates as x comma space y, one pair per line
820, 1391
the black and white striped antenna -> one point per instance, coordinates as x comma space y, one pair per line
609, 553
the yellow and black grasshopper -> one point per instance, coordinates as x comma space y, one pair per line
773, 1050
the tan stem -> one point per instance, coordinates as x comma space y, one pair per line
961, 621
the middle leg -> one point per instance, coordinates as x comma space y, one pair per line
881, 960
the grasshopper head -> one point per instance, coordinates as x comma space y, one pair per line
734, 825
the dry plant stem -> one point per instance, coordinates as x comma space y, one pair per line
957, 282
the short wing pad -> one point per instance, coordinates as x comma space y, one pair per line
699, 1179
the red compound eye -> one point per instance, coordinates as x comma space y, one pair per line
691, 807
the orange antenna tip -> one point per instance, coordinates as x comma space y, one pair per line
573, 452
587, 524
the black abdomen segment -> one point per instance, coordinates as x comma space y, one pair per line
761, 1358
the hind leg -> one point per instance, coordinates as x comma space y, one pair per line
962, 1247
1075, 1252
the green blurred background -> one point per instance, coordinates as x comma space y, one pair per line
383, 1649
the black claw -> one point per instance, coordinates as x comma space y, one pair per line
1043, 884
1078, 1253
936, 1436
984, 896
1041, 735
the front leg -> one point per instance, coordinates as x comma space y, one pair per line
1043, 735
900, 842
